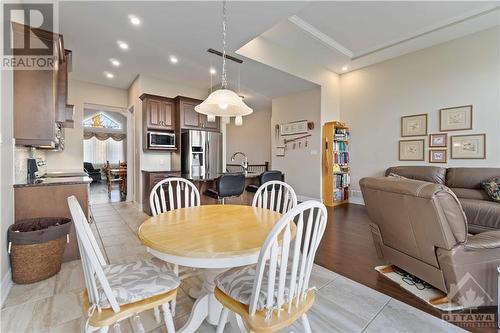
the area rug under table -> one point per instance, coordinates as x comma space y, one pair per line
426, 294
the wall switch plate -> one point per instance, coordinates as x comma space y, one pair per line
314, 152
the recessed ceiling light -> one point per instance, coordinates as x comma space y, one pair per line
134, 19
114, 62
173, 59
109, 75
122, 45
213, 71
345, 68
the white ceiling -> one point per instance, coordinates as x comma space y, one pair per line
357, 34
330, 33
184, 29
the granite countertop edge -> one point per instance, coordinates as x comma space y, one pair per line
56, 182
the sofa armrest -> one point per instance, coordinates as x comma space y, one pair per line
484, 240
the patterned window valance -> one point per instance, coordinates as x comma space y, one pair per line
104, 136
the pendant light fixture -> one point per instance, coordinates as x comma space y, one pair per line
224, 102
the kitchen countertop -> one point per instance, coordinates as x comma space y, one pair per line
56, 181
160, 171
211, 177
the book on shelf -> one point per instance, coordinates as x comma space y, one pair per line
336, 172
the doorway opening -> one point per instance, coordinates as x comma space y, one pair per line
106, 153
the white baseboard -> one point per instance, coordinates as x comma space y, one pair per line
302, 198
6, 286
356, 197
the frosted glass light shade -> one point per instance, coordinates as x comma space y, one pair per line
223, 103
238, 120
211, 118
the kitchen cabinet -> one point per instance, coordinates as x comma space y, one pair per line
190, 119
40, 95
159, 112
31, 201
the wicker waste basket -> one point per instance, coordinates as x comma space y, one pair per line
36, 247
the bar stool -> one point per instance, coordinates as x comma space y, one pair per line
227, 185
265, 177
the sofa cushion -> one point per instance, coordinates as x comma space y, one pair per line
481, 215
469, 193
425, 173
492, 187
469, 177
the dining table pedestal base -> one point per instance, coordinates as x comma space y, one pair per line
206, 306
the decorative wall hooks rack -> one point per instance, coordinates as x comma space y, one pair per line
297, 138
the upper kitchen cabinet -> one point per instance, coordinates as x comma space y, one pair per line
158, 112
40, 94
190, 119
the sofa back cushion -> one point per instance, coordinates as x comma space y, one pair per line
414, 217
470, 193
469, 177
424, 173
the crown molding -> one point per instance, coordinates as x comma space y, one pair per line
427, 30
320, 36
334, 45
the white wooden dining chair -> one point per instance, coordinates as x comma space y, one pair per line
275, 195
180, 193
117, 292
275, 292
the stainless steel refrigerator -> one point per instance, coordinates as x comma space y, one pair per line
201, 153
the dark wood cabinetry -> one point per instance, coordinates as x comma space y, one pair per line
160, 113
51, 201
40, 95
190, 119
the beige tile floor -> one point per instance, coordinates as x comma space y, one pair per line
342, 305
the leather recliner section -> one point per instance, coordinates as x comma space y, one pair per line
421, 228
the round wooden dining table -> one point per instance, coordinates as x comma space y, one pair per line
212, 237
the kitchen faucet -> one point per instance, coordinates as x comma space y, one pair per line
244, 164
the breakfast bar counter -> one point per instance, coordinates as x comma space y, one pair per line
202, 183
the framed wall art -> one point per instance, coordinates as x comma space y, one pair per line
438, 156
294, 127
472, 146
438, 140
456, 118
411, 150
414, 125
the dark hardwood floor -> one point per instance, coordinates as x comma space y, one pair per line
347, 248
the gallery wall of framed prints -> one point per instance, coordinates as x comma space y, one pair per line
461, 146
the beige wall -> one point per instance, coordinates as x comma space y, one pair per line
80, 92
253, 138
6, 173
271, 54
459, 72
302, 166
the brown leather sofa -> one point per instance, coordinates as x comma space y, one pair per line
421, 228
482, 213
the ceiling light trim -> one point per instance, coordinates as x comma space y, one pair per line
320, 36
428, 30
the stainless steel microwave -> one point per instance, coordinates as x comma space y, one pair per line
161, 140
